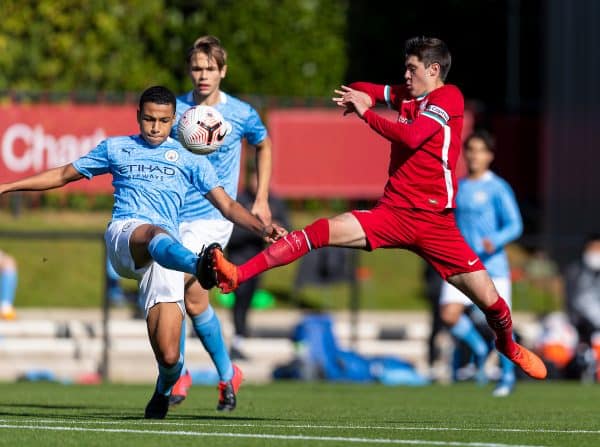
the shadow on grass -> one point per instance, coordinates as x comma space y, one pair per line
134, 415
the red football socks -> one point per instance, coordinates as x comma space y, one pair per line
499, 319
295, 245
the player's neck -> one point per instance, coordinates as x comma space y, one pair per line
211, 100
476, 175
437, 84
431, 87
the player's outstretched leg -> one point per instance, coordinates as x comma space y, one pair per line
499, 319
285, 250
529, 362
226, 272
228, 390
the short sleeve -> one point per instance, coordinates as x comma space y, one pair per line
94, 162
254, 129
203, 174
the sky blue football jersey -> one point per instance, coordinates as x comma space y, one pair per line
246, 123
487, 208
150, 182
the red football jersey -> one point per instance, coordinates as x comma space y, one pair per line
426, 142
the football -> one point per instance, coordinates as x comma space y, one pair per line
202, 129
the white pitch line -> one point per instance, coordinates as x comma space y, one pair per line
266, 436
308, 426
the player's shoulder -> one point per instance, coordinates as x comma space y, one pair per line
496, 184
447, 101
184, 102
499, 181
186, 98
235, 104
448, 92
119, 141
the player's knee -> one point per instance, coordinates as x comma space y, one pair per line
318, 233
449, 315
196, 300
169, 357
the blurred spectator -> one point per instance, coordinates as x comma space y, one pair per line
8, 286
582, 290
242, 246
558, 345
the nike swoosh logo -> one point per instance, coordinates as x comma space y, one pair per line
473, 261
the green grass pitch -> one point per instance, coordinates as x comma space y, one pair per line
302, 414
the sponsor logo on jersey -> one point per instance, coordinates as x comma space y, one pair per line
131, 169
147, 172
480, 197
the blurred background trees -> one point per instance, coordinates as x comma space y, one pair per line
518, 62
288, 47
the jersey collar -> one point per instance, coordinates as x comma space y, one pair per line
222, 97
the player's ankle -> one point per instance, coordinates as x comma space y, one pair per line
507, 347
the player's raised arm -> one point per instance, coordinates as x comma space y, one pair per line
353, 100
411, 135
52, 178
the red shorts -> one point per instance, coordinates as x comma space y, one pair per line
433, 235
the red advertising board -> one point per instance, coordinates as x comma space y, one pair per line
36, 137
321, 153
316, 152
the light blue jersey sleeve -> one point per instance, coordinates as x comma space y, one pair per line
246, 124
510, 225
203, 177
94, 162
486, 208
